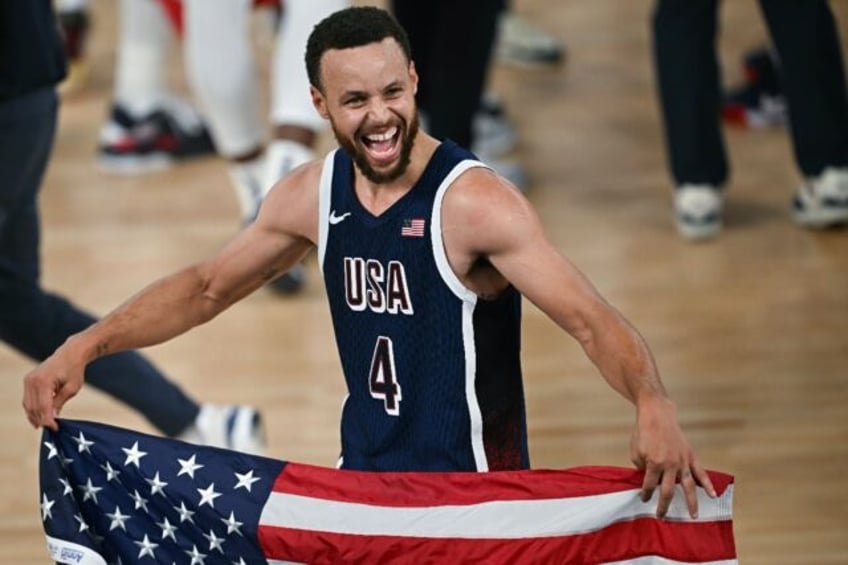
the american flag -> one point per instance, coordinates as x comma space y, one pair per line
111, 496
412, 227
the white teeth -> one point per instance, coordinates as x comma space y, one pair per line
382, 136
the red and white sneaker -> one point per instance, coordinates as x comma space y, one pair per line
130, 145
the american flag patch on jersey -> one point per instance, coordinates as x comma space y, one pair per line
412, 227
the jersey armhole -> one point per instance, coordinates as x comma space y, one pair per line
445, 270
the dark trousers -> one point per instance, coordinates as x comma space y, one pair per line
35, 322
804, 35
451, 47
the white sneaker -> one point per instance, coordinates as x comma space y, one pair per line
492, 132
247, 178
519, 42
823, 201
238, 428
698, 211
281, 156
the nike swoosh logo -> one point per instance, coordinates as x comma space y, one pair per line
337, 219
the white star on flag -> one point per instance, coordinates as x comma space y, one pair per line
83, 444
110, 472
52, 452
89, 491
208, 496
118, 519
46, 505
245, 480
82, 525
66, 487
189, 466
156, 485
140, 501
168, 529
233, 525
214, 541
185, 513
146, 546
196, 557
134, 455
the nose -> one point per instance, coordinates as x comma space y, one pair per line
378, 111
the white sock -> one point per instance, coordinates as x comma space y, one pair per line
63, 6
222, 72
291, 102
281, 156
247, 178
143, 42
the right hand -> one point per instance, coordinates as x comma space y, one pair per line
49, 386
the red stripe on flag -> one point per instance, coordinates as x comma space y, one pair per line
689, 542
429, 489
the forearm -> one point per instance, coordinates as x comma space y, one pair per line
164, 310
621, 354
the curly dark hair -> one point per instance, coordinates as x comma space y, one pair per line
351, 27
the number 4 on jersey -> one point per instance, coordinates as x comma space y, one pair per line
382, 380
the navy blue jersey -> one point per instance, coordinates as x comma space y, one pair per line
433, 372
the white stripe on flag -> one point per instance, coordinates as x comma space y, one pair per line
507, 519
656, 560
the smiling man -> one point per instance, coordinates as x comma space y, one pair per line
426, 254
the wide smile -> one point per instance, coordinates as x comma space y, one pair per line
382, 148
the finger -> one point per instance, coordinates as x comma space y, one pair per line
29, 406
669, 480
687, 481
649, 483
44, 407
62, 396
703, 479
32, 405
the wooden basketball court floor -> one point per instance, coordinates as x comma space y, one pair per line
750, 331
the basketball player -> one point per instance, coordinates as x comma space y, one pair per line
426, 254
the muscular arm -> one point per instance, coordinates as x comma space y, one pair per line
484, 217
281, 235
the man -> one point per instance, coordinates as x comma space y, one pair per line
806, 39
35, 322
424, 253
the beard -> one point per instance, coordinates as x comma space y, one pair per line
408, 133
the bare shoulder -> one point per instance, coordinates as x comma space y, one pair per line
301, 181
292, 204
480, 198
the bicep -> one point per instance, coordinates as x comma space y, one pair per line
503, 227
547, 279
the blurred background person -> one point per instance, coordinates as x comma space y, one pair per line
805, 38
33, 321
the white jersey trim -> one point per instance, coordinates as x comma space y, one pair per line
325, 197
469, 301
450, 278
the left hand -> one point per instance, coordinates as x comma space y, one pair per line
660, 449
